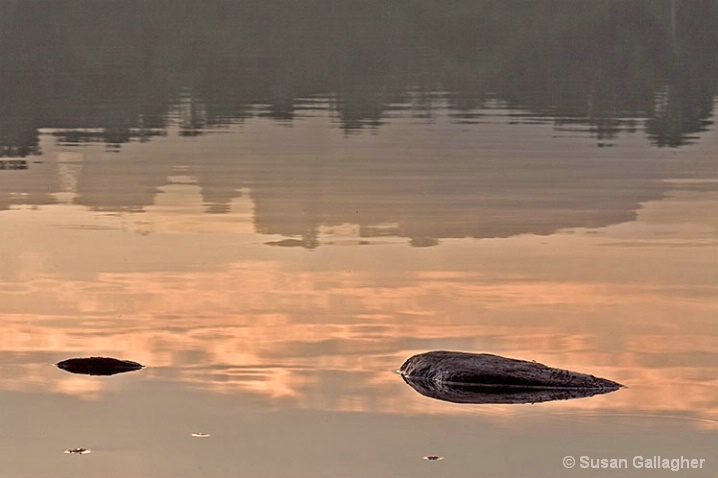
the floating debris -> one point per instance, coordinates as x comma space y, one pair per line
287, 243
484, 378
200, 435
98, 366
78, 451
433, 457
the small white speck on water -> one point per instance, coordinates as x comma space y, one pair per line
78, 451
200, 435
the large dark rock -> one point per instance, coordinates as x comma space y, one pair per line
485, 378
98, 365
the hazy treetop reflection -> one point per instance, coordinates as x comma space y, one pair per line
126, 68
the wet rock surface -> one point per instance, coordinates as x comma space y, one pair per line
485, 378
98, 366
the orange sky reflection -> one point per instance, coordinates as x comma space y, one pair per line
326, 329
332, 338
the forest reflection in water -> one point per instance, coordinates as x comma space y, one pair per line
604, 68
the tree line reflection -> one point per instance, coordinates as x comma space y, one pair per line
123, 69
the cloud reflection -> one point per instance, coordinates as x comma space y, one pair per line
223, 313
330, 339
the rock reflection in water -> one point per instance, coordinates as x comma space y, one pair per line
470, 393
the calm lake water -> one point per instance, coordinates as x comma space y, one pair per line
273, 205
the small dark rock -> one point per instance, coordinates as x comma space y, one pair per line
98, 366
484, 378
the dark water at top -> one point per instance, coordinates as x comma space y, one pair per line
273, 204
128, 72
602, 68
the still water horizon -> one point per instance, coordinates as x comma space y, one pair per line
273, 232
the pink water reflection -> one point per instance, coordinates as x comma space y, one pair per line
327, 329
